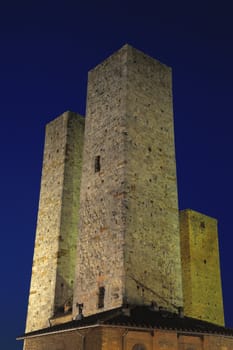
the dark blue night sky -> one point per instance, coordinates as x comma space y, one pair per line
47, 49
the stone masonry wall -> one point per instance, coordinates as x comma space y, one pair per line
129, 247
152, 250
69, 212
100, 259
119, 338
56, 233
72, 340
202, 287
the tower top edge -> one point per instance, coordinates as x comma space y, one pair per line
67, 115
189, 211
129, 49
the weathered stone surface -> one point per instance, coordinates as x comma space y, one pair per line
57, 225
202, 288
129, 223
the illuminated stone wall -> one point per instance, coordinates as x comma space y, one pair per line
129, 224
202, 289
57, 225
104, 338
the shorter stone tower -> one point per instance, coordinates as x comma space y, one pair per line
57, 226
202, 288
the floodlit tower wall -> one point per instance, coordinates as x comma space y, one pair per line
57, 225
129, 247
202, 288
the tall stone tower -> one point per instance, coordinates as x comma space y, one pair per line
129, 245
57, 225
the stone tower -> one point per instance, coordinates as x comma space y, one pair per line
202, 288
129, 245
57, 225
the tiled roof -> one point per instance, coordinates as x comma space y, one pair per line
142, 317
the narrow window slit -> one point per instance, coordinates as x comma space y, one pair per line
97, 164
101, 297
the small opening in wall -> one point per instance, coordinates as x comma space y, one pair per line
101, 297
97, 164
202, 224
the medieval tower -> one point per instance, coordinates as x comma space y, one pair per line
57, 224
128, 203
109, 234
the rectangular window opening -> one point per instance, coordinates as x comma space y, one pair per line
101, 297
97, 164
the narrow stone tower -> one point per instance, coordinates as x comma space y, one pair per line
57, 225
129, 245
202, 287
